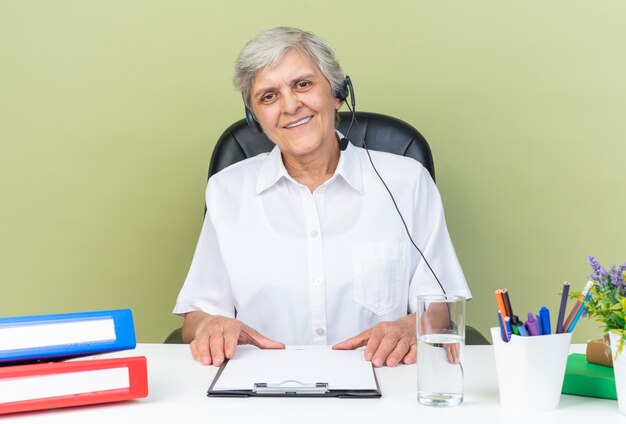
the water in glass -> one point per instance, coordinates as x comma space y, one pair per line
440, 369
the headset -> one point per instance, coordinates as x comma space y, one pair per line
252, 123
346, 89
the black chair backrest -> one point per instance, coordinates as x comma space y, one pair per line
380, 132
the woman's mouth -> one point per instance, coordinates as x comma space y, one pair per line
300, 122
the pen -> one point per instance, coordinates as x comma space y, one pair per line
515, 329
559, 321
502, 329
532, 326
509, 331
579, 302
501, 306
544, 319
540, 325
519, 325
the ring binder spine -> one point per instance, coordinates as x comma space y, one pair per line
295, 388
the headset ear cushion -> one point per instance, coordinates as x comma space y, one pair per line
342, 91
252, 123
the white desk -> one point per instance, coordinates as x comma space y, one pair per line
178, 386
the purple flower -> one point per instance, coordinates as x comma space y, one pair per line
599, 273
613, 278
617, 275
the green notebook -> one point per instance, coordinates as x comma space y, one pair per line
585, 379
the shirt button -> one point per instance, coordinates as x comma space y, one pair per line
320, 331
318, 282
314, 233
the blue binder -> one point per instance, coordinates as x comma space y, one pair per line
41, 338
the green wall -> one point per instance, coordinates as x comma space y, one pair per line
109, 111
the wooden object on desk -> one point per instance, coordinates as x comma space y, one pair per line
599, 352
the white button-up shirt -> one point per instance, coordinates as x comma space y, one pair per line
318, 268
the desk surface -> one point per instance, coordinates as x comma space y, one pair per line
178, 387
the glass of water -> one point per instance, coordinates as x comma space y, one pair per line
440, 341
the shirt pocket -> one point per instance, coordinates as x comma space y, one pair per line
379, 275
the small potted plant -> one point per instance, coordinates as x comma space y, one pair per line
606, 304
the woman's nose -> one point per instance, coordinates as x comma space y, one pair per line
291, 103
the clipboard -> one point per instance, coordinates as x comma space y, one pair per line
304, 371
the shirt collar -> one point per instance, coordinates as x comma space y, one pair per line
348, 167
272, 170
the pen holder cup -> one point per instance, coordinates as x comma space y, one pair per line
531, 370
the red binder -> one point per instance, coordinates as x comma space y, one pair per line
62, 384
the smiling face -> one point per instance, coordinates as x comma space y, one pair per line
295, 106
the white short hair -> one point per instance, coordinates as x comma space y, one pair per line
269, 47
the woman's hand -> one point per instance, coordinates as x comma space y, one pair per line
387, 342
215, 338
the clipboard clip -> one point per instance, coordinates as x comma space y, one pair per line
291, 387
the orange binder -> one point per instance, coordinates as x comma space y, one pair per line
81, 382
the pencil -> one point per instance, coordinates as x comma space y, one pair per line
507, 303
576, 308
559, 321
577, 317
501, 306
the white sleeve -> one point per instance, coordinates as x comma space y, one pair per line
207, 286
431, 235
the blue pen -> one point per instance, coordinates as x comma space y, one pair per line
540, 324
502, 329
544, 319
578, 315
509, 330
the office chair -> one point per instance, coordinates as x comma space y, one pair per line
380, 132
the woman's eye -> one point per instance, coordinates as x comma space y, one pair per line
303, 84
268, 97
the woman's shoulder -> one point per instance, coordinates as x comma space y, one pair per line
392, 164
238, 171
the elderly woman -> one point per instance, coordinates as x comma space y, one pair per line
303, 245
